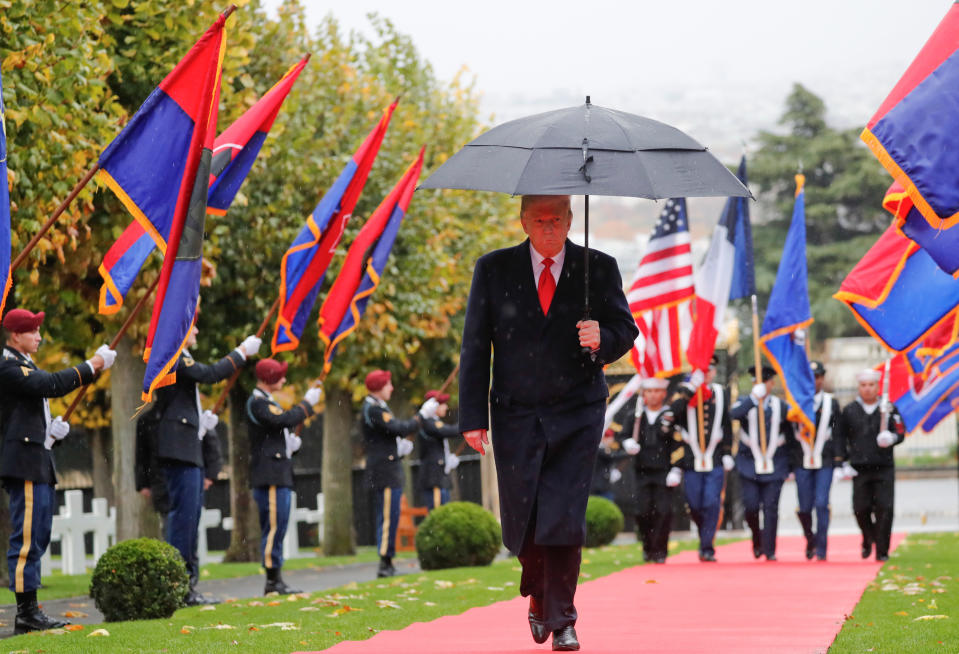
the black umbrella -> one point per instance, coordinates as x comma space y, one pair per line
587, 150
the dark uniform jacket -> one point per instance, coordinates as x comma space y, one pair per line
380, 430
660, 445
179, 441
432, 435
829, 432
857, 437
542, 383
680, 407
606, 458
23, 389
268, 422
746, 456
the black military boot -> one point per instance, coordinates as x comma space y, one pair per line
386, 568
275, 583
30, 617
752, 519
805, 519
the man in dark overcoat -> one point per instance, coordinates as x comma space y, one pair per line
548, 396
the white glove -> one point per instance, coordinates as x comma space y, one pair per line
208, 422
673, 477
837, 475
799, 337
293, 443
696, 378
451, 462
886, 407
58, 428
403, 446
885, 439
250, 346
631, 447
428, 410
758, 392
780, 441
107, 355
728, 462
312, 395
848, 472
615, 475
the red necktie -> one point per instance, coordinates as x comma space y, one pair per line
547, 286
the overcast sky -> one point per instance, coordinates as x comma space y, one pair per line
525, 53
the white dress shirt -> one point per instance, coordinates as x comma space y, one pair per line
538, 266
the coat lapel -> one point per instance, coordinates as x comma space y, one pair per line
522, 274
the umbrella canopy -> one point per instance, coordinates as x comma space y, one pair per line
587, 150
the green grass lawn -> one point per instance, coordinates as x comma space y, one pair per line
57, 585
913, 604
322, 619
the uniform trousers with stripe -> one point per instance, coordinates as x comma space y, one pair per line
274, 505
704, 492
434, 497
31, 518
812, 488
386, 502
184, 482
762, 496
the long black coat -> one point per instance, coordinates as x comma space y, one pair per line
542, 384
179, 419
269, 464
23, 388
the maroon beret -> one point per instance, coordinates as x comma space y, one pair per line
442, 398
21, 320
377, 379
270, 371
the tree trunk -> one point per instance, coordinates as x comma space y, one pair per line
101, 451
126, 377
245, 537
337, 472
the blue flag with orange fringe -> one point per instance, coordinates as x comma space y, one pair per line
787, 313
915, 136
304, 265
5, 253
234, 152
363, 268
925, 400
940, 244
159, 167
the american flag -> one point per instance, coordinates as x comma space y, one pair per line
660, 297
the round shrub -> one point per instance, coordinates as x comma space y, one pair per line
139, 579
457, 534
603, 521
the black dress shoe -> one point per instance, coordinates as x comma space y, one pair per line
659, 559
810, 551
757, 552
866, 549
771, 557
36, 621
820, 557
707, 557
194, 598
536, 625
882, 557
385, 568
564, 640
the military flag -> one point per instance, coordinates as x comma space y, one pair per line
788, 317
234, 152
159, 167
915, 136
363, 268
305, 262
941, 244
5, 246
924, 400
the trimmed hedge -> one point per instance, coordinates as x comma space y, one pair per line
603, 521
139, 579
457, 534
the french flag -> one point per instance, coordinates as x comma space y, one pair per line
726, 274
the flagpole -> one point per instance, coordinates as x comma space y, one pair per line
236, 373
450, 378
700, 419
113, 344
760, 411
54, 216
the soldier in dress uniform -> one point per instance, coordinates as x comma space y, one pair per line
183, 425
710, 451
436, 460
813, 466
868, 430
762, 466
26, 468
272, 446
659, 452
383, 438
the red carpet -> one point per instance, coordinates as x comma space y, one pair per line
737, 605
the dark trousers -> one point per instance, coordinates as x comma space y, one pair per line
873, 496
812, 487
31, 518
386, 503
435, 496
654, 512
550, 573
185, 485
273, 503
704, 492
762, 496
